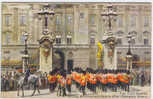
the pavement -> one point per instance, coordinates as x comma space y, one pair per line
136, 92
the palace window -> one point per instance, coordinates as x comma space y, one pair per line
92, 40
7, 19
133, 20
92, 19
69, 19
23, 20
146, 21
22, 38
58, 19
6, 52
58, 39
146, 34
146, 41
81, 15
7, 38
119, 21
69, 39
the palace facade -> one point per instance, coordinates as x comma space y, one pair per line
78, 28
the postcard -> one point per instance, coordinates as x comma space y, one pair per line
88, 50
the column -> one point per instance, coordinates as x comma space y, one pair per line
45, 62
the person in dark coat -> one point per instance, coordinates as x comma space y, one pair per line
142, 79
27, 74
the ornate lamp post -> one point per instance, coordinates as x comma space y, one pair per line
45, 12
110, 14
25, 56
129, 53
47, 40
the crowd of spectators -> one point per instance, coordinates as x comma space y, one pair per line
9, 81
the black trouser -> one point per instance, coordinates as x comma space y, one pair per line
68, 87
64, 91
125, 86
59, 90
103, 87
94, 87
52, 86
7, 85
114, 88
142, 82
109, 85
82, 89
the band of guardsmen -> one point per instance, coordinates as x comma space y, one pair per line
104, 79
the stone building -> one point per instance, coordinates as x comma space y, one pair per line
78, 28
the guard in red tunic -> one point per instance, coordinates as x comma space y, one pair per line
52, 81
63, 85
68, 81
103, 81
83, 82
114, 80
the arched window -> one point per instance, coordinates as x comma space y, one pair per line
134, 33
146, 33
92, 39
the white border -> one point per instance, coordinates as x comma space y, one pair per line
76, 1
43, 1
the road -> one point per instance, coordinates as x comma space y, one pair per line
136, 92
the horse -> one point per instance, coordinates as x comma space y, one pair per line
33, 79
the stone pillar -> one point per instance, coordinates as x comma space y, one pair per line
46, 47
110, 61
92, 57
45, 61
15, 25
